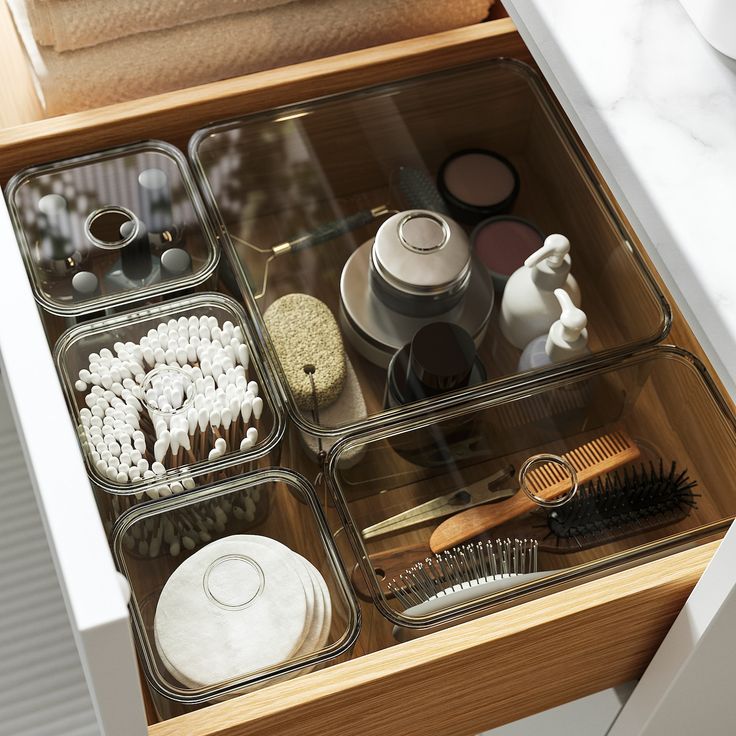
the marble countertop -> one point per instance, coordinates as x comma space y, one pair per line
656, 106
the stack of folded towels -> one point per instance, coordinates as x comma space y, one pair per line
88, 53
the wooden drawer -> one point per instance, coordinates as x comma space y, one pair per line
475, 675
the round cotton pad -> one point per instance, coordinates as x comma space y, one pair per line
322, 618
234, 607
311, 593
304, 333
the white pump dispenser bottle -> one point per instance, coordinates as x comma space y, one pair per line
566, 338
529, 306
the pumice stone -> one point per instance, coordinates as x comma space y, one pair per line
307, 340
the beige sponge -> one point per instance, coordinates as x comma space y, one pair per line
305, 334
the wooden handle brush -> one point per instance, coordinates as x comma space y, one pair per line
547, 482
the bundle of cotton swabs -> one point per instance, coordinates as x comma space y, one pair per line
178, 396
192, 525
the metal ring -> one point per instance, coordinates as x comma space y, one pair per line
423, 215
114, 210
168, 370
530, 462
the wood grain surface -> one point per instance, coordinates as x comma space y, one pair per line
476, 675
174, 116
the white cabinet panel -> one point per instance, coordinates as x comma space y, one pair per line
95, 605
591, 716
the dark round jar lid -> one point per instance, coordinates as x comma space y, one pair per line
477, 183
441, 357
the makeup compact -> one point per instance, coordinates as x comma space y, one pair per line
502, 244
477, 183
418, 269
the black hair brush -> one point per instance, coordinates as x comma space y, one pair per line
630, 501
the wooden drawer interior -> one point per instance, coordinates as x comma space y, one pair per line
473, 676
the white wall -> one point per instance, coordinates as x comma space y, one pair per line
590, 716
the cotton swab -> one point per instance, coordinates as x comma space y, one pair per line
179, 396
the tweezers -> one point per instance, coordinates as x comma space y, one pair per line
466, 497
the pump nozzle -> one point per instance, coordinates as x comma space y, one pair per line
572, 319
554, 250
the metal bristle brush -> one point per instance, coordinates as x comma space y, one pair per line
470, 566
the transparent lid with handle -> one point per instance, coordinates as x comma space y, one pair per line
524, 491
170, 419
259, 597
110, 228
345, 201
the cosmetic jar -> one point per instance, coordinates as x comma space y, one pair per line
503, 243
101, 231
441, 357
129, 377
256, 600
420, 263
477, 183
417, 270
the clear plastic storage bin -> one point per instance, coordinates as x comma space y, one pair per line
299, 194
101, 231
239, 577
649, 438
138, 378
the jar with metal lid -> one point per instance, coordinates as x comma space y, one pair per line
420, 263
420, 268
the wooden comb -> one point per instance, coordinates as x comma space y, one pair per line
601, 455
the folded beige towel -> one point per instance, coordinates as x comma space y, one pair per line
75, 24
151, 63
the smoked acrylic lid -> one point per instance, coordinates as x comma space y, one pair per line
287, 494
78, 344
95, 231
273, 177
669, 491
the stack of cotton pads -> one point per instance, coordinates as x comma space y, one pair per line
179, 395
241, 605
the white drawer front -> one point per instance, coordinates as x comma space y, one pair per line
95, 604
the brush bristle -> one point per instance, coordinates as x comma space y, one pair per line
419, 191
464, 566
624, 502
